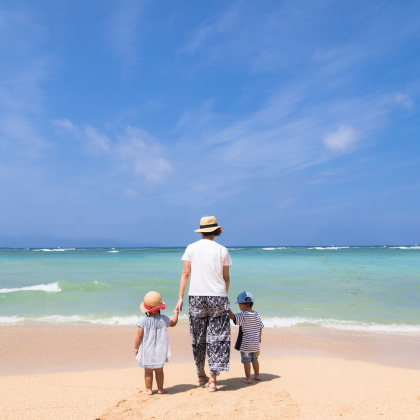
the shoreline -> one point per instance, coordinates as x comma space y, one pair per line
51, 348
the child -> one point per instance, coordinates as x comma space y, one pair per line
249, 337
152, 335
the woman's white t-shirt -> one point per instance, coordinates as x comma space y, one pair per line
207, 260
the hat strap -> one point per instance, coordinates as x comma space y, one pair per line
207, 226
155, 309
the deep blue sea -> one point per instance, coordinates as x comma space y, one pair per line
355, 288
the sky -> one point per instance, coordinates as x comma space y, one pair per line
122, 123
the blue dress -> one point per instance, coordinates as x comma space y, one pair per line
154, 349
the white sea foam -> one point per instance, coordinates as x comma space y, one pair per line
340, 324
405, 247
57, 249
113, 251
49, 288
269, 249
270, 322
10, 319
330, 247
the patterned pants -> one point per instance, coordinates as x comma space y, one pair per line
210, 332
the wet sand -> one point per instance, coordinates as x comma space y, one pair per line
89, 372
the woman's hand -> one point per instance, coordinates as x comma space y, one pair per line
136, 351
179, 304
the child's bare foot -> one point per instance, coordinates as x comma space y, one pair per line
162, 391
257, 377
147, 392
246, 380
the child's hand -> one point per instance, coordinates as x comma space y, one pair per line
176, 312
136, 351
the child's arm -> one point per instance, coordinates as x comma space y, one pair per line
139, 339
174, 320
231, 315
260, 335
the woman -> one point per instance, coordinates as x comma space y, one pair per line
208, 263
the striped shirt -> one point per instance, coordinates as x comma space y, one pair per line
250, 325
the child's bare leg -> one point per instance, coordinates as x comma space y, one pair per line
159, 380
256, 367
148, 378
247, 367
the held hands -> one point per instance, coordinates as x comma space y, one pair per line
179, 304
136, 351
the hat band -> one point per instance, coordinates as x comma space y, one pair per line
155, 309
207, 226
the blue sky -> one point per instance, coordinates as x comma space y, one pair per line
294, 123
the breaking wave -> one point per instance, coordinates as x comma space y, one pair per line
49, 288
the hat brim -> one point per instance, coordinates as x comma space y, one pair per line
210, 229
144, 310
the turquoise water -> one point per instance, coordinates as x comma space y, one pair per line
359, 288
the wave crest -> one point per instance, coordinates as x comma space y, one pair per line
49, 288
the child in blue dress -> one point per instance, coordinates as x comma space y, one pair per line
152, 344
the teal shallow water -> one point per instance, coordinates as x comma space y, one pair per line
362, 288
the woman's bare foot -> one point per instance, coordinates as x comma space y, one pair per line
257, 377
162, 391
246, 381
147, 392
211, 386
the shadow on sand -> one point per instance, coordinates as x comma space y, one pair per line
233, 384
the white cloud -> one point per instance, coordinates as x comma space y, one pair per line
341, 140
143, 152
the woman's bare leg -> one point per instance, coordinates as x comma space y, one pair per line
148, 379
202, 377
159, 380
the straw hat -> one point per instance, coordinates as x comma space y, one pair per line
152, 300
208, 224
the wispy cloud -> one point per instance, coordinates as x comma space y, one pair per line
138, 151
125, 31
21, 94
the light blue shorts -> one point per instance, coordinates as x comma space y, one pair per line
249, 357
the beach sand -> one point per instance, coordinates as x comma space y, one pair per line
73, 372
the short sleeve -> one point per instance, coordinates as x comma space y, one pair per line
167, 320
142, 322
187, 254
239, 319
260, 323
226, 257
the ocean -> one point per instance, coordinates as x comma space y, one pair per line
345, 288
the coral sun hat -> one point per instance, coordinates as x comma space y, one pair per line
208, 224
152, 302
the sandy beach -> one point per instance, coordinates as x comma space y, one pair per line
73, 372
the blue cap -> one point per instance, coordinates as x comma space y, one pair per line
242, 297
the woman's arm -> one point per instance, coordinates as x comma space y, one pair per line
185, 277
226, 277
174, 320
139, 339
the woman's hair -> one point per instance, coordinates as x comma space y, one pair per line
216, 232
149, 313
